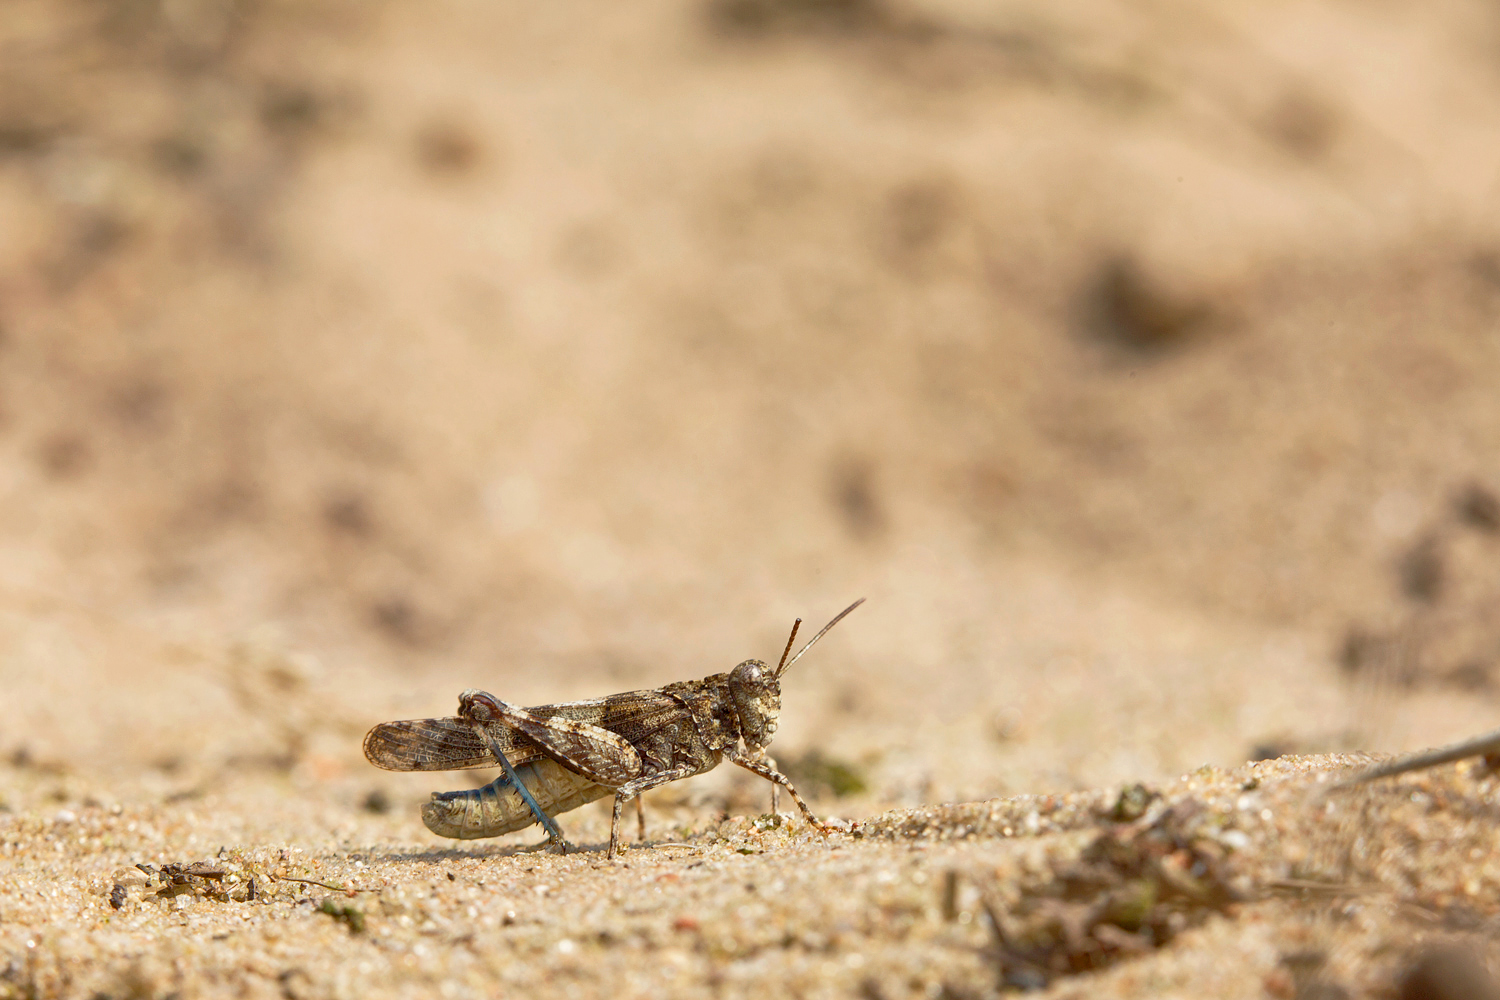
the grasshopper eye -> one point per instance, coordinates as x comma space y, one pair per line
751, 673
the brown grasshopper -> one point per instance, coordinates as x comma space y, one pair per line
558, 757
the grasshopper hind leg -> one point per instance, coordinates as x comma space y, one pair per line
554, 833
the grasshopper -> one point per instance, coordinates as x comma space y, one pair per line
559, 757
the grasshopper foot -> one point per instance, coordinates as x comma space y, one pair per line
832, 826
561, 847
558, 845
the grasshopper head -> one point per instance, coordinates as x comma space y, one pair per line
756, 692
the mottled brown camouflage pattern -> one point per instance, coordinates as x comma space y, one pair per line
571, 753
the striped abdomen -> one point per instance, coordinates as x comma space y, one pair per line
498, 808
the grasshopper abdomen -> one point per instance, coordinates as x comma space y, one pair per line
498, 808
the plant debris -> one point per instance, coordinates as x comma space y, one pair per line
352, 916
1131, 890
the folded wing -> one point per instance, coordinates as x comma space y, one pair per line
451, 745
441, 745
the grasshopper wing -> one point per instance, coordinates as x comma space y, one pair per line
441, 745
608, 740
582, 747
450, 744
634, 715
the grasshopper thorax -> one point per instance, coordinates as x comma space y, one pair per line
756, 692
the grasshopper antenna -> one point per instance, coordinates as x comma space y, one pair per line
787, 665
789, 640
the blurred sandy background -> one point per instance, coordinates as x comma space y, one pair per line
1137, 361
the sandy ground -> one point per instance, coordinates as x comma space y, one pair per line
1244, 883
1137, 362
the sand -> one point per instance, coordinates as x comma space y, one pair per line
1136, 362
1224, 883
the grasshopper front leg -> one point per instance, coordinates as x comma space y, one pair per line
760, 767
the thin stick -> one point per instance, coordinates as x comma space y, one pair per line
789, 640
1485, 744
313, 881
836, 620
1327, 888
